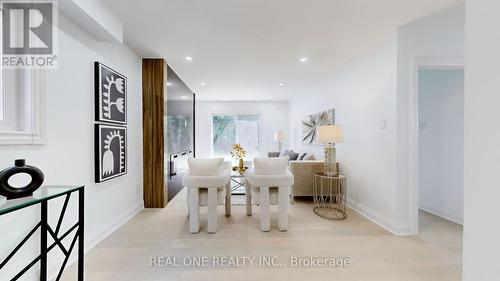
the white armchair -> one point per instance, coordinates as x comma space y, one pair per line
209, 184
270, 185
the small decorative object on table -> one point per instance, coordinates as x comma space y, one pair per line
329, 196
239, 153
20, 167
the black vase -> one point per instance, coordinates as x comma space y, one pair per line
17, 192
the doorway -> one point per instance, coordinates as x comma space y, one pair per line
438, 143
441, 142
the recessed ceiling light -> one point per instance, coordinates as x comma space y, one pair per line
169, 84
303, 59
269, 97
189, 58
281, 84
203, 83
184, 97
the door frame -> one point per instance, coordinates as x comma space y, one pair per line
416, 65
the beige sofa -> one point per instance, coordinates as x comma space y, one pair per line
303, 171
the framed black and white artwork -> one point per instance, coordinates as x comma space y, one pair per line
110, 151
110, 95
311, 122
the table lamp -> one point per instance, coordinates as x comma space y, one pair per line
279, 137
329, 135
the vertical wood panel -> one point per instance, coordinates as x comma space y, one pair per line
153, 93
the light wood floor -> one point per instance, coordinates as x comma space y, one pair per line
375, 254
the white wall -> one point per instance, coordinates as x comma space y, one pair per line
482, 136
273, 117
371, 95
441, 142
439, 36
68, 156
363, 93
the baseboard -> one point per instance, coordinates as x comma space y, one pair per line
379, 219
440, 214
117, 224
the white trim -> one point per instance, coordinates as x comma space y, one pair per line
379, 219
416, 65
441, 214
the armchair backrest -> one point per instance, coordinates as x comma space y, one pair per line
270, 166
206, 167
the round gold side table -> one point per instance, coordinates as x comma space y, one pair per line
329, 196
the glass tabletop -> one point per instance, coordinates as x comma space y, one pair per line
237, 174
41, 194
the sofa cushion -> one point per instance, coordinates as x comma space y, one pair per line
290, 153
285, 153
293, 155
205, 167
271, 166
273, 154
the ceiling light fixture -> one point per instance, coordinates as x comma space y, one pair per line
189, 58
269, 97
281, 84
169, 84
203, 83
303, 59
184, 97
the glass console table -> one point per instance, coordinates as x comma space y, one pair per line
42, 196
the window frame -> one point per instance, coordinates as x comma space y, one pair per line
235, 115
36, 133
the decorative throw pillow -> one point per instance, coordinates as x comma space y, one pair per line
205, 167
293, 156
301, 157
285, 153
270, 166
290, 153
273, 154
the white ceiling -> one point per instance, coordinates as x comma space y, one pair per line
244, 49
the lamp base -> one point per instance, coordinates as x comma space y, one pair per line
331, 161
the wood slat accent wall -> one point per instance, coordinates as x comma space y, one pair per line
154, 73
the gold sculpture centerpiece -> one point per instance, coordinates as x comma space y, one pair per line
239, 153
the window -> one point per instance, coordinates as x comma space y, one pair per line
22, 119
22, 106
230, 129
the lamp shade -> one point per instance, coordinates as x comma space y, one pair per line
330, 134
